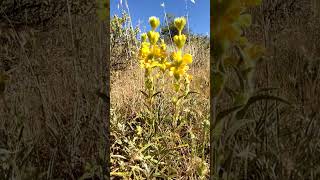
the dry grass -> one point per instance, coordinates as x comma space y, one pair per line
182, 155
54, 124
283, 140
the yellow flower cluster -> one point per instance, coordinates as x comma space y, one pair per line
153, 54
179, 66
229, 21
229, 24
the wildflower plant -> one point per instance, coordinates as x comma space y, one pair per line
164, 128
158, 62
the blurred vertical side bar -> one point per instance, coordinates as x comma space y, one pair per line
104, 14
108, 88
216, 83
212, 99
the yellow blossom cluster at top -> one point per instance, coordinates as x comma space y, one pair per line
154, 54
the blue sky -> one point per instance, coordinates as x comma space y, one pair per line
199, 12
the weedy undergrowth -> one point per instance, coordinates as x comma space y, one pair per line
232, 54
123, 41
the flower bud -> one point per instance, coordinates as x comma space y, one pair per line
144, 37
154, 22
180, 23
180, 40
153, 37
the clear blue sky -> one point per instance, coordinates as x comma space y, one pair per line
199, 12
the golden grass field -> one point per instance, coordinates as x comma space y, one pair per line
141, 150
54, 123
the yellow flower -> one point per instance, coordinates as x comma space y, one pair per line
176, 56
178, 71
144, 50
162, 67
149, 64
180, 65
180, 23
153, 37
139, 130
154, 22
145, 44
144, 37
180, 40
187, 59
154, 64
168, 65
155, 52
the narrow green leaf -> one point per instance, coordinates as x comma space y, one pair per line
118, 156
145, 147
119, 174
